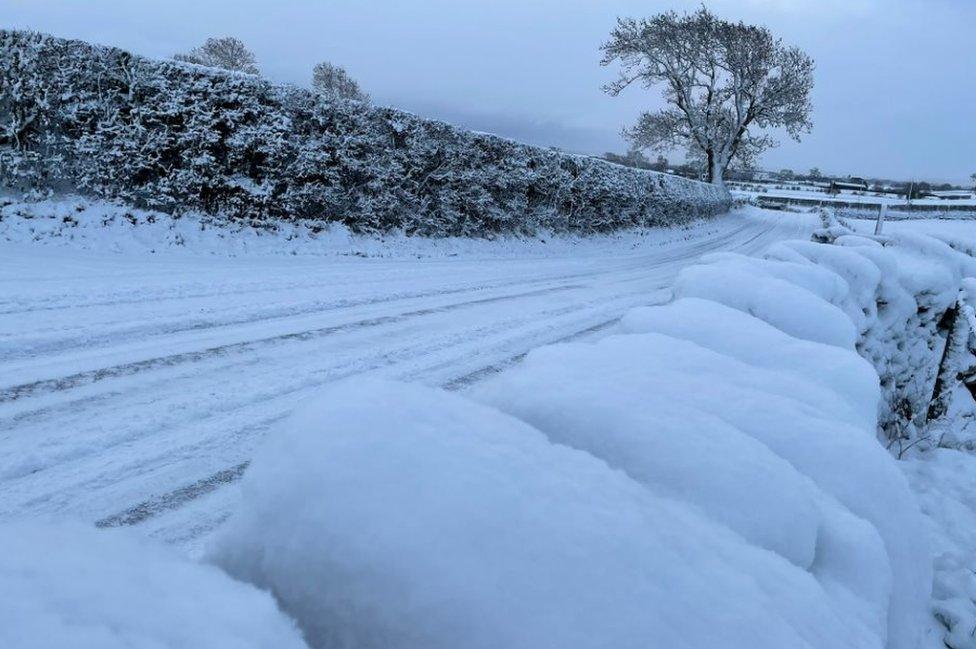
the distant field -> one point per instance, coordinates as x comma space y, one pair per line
869, 199
856, 205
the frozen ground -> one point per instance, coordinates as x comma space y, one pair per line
134, 386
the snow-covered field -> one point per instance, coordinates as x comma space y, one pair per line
135, 386
850, 197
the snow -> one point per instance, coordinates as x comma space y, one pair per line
751, 413
146, 381
68, 585
707, 428
868, 198
953, 229
757, 343
703, 472
391, 515
76, 223
789, 305
944, 481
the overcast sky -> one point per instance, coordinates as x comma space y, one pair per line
895, 84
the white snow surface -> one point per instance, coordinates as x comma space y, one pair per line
144, 382
750, 411
707, 475
69, 585
785, 462
389, 515
944, 481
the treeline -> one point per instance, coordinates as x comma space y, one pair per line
179, 137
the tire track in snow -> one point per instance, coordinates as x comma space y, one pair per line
152, 507
277, 313
711, 239
42, 386
174, 499
385, 358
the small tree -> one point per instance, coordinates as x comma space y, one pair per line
335, 83
972, 177
227, 53
815, 174
723, 81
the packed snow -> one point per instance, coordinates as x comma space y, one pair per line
69, 585
145, 381
388, 515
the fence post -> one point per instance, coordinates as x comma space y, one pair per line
882, 211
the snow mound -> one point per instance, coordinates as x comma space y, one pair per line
386, 515
753, 448
737, 281
755, 342
74, 586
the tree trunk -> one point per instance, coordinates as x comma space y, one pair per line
715, 171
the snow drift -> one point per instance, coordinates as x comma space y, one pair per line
786, 461
387, 515
73, 586
709, 475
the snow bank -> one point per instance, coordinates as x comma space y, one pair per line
708, 476
80, 223
753, 341
899, 289
73, 586
787, 463
399, 516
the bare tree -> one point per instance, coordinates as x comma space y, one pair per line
227, 53
333, 82
722, 81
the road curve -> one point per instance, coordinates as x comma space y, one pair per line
133, 391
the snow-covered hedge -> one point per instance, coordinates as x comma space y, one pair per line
389, 515
710, 475
899, 292
174, 137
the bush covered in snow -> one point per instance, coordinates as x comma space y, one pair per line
73, 586
901, 294
768, 434
174, 136
387, 515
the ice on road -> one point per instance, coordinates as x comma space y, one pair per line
134, 387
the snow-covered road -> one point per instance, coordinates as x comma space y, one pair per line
133, 388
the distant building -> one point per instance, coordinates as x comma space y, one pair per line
954, 194
852, 184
